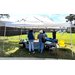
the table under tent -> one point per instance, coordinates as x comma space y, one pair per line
46, 25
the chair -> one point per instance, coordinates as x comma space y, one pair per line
62, 43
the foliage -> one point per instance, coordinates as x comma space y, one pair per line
4, 15
20, 20
70, 18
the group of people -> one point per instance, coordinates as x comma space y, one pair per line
41, 35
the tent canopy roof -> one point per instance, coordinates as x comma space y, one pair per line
19, 25
2, 22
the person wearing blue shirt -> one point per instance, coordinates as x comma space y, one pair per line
45, 35
31, 39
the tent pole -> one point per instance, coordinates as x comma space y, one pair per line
19, 35
60, 32
4, 37
60, 35
71, 40
21, 32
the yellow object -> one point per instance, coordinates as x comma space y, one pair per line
62, 43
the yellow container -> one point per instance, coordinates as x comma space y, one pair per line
62, 43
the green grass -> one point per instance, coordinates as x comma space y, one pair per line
13, 49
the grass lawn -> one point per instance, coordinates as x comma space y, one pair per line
13, 49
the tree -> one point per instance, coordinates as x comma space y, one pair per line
4, 15
70, 18
20, 20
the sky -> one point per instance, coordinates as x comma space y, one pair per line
59, 18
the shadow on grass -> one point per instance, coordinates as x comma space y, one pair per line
23, 52
65, 49
65, 53
61, 54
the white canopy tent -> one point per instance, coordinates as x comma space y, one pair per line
45, 25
